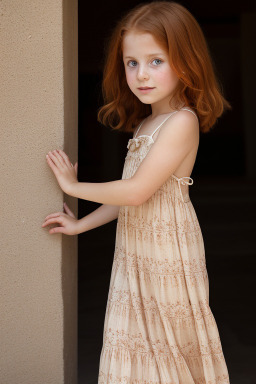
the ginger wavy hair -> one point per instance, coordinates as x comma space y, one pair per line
172, 25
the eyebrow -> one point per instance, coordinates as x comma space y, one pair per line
152, 54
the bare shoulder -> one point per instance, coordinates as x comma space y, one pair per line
176, 140
183, 125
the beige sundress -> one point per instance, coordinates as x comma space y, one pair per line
159, 328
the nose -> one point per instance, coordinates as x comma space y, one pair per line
142, 73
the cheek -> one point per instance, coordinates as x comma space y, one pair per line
130, 77
166, 77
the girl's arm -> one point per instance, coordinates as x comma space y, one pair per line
100, 216
176, 139
118, 192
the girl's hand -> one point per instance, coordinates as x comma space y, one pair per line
62, 168
68, 222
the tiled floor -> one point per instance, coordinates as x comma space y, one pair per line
226, 210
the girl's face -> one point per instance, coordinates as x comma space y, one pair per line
147, 65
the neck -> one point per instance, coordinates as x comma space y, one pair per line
154, 115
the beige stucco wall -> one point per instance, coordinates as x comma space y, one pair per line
38, 105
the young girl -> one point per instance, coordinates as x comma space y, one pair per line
159, 83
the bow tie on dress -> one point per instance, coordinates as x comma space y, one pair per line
183, 181
133, 144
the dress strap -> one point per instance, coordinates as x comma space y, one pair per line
182, 181
157, 127
139, 128
187, 109
162, 123
170, 116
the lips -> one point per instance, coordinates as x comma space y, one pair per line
146, 88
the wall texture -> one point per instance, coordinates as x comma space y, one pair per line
38, 102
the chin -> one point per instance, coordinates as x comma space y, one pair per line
145, 101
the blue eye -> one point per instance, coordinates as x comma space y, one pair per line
131, 61
158, 60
